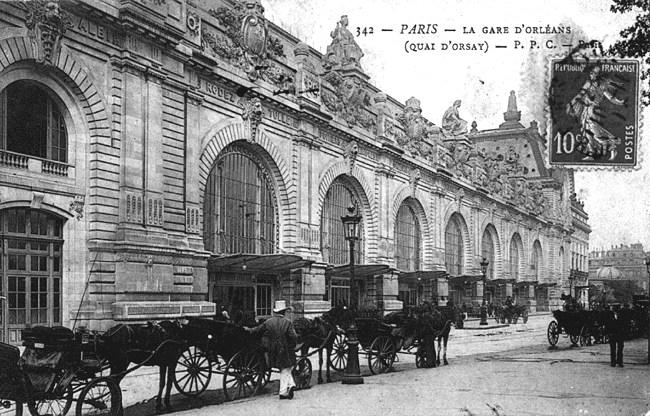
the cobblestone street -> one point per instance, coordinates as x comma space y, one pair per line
510, 368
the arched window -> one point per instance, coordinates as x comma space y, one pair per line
487, 252
32, 269
239, 206
336, 249
515, 242
407, 238
31, 123
454, 257
535, 260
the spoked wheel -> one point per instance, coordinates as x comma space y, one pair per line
244, 375
339, 354
302, 373
193, 372
102, 396
585, 336
381, 355
524, 317
553, 333
51, 405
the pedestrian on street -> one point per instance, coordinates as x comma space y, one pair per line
282, 342
616, 338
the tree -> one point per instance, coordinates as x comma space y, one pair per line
635, 42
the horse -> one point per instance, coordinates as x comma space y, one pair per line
319, 334
439, 319
158, 344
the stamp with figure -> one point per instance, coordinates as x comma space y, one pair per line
594, 109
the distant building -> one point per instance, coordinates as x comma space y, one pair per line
629, 260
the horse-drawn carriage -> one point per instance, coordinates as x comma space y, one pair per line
57, 368
226, 349
511, 314
381, 339
582, 327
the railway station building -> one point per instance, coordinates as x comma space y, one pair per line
169, 158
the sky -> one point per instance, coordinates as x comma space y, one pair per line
618, 203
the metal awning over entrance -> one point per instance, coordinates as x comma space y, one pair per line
360, 270
256, 263
464, 280
496, 282
424, 275
527, 283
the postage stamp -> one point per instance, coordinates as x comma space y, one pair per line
594, 110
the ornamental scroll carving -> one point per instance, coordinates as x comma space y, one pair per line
247, 43
252, 115
348, 101
77, 206
350, 152
47, 24
419, 134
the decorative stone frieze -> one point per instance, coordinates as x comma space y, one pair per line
419, 135
348, 100
133, 208
77, 206
155, 210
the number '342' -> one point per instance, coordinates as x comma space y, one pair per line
365, 31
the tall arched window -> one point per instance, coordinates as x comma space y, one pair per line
31, 123
515, 242
535, 260
407, 238
454, 257
487, 252
239, 206
336, 249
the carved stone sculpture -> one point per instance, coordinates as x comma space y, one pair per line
47, 23
418, 132
344, 50
452, 124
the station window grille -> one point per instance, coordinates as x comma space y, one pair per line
454, 247
335, 248
407, 239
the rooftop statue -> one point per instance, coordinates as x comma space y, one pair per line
452, 124
343, 50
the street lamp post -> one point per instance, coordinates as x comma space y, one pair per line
484, 267
352, 373
647, 265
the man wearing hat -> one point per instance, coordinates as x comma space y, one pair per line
282, 342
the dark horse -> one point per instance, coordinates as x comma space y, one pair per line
320, 333
428, 323
158, 344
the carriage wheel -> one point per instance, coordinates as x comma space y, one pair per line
553, 333
339, 354
585, 336
524, 317
381, 355
58, 406
101, 396
244, 375
193, 372
301, 373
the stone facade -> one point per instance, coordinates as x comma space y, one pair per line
629, 259
155, 94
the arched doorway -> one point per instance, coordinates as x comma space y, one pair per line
408, 253
240, 217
